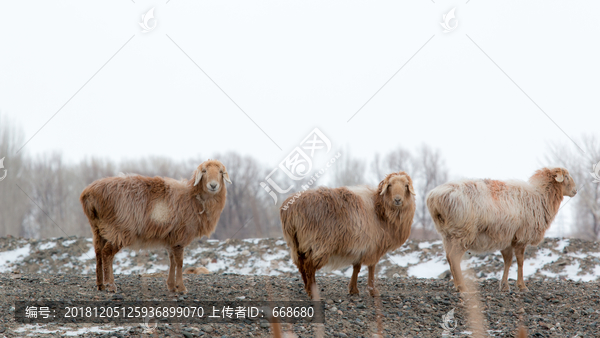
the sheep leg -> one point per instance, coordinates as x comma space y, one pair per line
310, 270
353, 287
371, 282
171, 278
520, 253
108, 254
507, 254
99, 243
178, 253
300, 266
454, 254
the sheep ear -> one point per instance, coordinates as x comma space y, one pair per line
198, 175
411, 189
226, 177
559, 176
385, 186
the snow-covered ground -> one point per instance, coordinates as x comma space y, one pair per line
32, 330
554, 258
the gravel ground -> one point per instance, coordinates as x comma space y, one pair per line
408, 307
554, 258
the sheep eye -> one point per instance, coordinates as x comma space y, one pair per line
203, 170
221, 171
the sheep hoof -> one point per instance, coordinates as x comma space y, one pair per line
461, 288
100, 287
111, 287
181, 289
354, 291
523, 288
374, 292
504, 287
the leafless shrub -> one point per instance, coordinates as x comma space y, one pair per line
14, 205
586, 206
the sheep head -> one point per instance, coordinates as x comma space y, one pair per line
567, 183
211, 176
396, 188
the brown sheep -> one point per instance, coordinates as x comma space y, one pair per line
348, 226
488, 215
142, 212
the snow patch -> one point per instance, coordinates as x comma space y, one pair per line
429, 269
46, 246
68, 242
13, 256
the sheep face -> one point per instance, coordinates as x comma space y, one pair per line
396, 189
567, 183
211, 175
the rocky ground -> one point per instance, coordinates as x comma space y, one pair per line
554, 258
408, 307
417, 294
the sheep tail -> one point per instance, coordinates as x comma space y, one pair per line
89, 205
290, 235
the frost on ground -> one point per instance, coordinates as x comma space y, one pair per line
37, 329
553, 259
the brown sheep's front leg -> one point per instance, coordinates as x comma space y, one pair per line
108, 254
353, 287
171, 277
507, 254
371, 282
178, 253
520, 253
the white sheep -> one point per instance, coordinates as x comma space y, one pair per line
488, 215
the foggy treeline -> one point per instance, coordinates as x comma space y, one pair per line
39, 198
581, 163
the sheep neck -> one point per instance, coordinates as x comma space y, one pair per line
551, 195
208, 208
394, 221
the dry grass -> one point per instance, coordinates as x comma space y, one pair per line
522, 332
473, 307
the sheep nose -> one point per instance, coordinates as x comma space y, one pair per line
213, 185
398, 201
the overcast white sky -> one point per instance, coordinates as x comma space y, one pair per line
292, 66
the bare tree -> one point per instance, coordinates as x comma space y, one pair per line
430, 171
54, 189
14, 204
348, 171
586, 204
396, 160
249, 212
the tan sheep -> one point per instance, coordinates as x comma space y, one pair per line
488, 215
344, 226
142, 212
